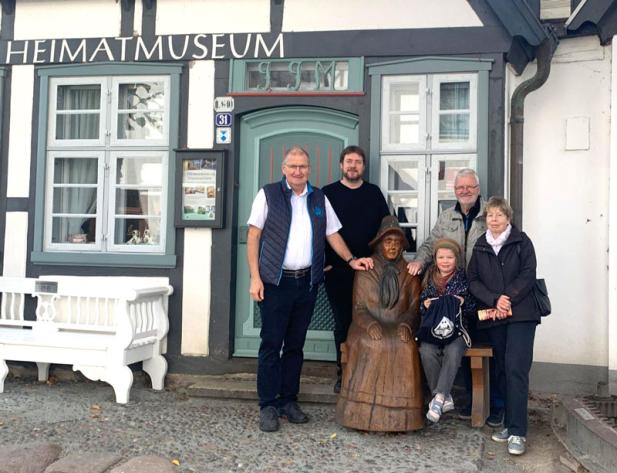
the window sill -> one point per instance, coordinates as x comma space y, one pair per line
104, 259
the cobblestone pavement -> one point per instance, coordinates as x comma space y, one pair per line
215, 435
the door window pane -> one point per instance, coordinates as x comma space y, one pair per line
81, 230
404, 102
144, 171
137, 231
403, 176
138, 202
75, 171
454, 112
78, 111
141, 107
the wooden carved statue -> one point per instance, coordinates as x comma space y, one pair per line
381, 388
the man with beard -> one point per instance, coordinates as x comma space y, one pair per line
360, 207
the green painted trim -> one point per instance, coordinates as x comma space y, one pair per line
108, 69
39, 203
130, 260
375, 121
107, 259
430, 65
482, 128
3, 71
237, 73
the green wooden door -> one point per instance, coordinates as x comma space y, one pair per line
264, 138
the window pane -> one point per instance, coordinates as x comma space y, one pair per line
75, 171
141, 96
140, 126
405, 129
403, 175
79, 126
80, 230
139, 171
74, 200
454, 96
137, 231
405, 97
405, 209
138, 202
453, 127
78, 97
445, 180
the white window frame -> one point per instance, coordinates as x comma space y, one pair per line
471, 143
115, 84
54, 83
49, 189
387, 83
106, 149
386, 160
111, 214
434, 191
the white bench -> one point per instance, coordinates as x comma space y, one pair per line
100, 325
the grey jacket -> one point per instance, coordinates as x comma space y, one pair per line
450, 225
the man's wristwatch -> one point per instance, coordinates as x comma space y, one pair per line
350, 259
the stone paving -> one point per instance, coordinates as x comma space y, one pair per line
202, 435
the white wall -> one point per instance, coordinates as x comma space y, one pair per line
212, 16
196, 278
327, 15
42, 19
565, 209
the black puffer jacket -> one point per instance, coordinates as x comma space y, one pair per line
512, 272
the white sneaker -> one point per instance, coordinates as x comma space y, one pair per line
516, 445
434, 410
448, 404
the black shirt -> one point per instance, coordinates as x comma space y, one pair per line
468, 219
360, 212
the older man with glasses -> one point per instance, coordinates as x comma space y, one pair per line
463, 223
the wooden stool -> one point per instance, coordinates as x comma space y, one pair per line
480, 395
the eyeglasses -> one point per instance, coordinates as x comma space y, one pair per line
465, 188
297, 167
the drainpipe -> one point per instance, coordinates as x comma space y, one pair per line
517, 120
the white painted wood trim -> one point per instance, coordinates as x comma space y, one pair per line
20, 132
612, 229
196, 291
15, 244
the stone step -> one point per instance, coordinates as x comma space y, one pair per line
243, 386
586, 435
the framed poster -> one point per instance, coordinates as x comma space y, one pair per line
199, 188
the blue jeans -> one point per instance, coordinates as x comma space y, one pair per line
286, 313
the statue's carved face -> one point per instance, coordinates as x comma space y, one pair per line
391, 247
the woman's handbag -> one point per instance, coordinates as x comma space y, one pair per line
540, 296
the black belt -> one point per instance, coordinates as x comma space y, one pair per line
296, 273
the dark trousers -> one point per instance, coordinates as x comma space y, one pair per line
513, 353
339, 288
286, 313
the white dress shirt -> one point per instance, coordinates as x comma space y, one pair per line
299, 251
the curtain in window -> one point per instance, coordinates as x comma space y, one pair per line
454, 111
78, 112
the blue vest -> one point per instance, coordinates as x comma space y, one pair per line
275, 233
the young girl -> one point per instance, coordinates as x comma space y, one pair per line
441, 362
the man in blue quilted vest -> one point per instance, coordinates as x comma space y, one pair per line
289, 224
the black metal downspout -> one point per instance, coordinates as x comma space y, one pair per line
544, 56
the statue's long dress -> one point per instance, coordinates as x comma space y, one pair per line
381, 388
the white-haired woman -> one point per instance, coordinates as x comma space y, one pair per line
502, 273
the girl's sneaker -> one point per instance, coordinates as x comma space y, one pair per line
435, 409
516, 445
501, 435
448, 404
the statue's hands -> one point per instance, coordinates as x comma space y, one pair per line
404, 333
374, 331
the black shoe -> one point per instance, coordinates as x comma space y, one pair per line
465, 413
268, 419
495, 419
294, 414
337, 385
